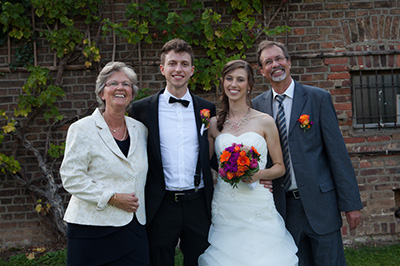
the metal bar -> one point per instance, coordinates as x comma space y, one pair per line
378, 99
362, 100
394, 99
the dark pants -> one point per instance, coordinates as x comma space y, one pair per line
107, 245
314, 249
187, 221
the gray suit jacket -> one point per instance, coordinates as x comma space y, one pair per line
322, 166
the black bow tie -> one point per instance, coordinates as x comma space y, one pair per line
183, 102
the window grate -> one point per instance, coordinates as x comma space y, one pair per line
376, 99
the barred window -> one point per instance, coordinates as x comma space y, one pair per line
376, 99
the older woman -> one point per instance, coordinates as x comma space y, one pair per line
104, 169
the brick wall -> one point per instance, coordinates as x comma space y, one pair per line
329, 39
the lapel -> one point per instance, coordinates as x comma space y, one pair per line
268, 103
196, 108
133, 135
299, 101
105, 134
153, 125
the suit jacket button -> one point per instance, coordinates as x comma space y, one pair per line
282, 185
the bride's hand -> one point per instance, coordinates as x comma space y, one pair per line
254, 178
258, 177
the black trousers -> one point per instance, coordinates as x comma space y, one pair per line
186, 221
107, 245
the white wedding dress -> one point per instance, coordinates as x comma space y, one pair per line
246, 229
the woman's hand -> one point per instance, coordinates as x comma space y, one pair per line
255, 177
125, 201
259, 177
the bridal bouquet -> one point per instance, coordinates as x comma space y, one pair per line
238, 162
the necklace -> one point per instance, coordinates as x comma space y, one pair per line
237, 125
114, 130
123, 138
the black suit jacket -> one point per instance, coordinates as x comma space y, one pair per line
146, 111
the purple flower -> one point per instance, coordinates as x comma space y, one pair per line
233, 158
231, 167
230, 149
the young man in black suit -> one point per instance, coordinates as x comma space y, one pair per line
179, 183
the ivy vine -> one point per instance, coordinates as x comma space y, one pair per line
200, 27
66, 26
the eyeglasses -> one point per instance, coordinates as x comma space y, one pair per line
113, 84
277, 59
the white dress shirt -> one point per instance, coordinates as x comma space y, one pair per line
178, 142
287, 106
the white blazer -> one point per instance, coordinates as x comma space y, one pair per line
94, 168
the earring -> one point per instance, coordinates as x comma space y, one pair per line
248, 92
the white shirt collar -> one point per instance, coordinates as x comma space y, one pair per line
167, 94
289, 91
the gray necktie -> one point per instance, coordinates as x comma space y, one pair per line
283, 136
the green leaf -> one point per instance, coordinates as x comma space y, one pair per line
143, 29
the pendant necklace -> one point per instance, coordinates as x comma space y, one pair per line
237, 125
116, 130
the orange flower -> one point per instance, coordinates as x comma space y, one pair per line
224, 156
241, 170
243, 160
242, 153
230, 175
236, 149
205, 113
255, 151
305, 122
304, 119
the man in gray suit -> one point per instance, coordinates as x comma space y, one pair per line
320, 182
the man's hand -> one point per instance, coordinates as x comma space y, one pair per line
267, 184
353, 218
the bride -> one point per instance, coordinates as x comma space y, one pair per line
246, 227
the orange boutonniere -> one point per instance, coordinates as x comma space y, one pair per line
205, 117
305, 122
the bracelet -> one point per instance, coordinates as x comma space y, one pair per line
115, 196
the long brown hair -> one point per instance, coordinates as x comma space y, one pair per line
224, 101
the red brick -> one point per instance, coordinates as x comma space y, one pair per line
299, 31
335, 61
340, 91
342, 106
339, 76
372, 172
365, 164
339, 68
378, 138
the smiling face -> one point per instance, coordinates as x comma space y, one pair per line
275, 67
236, 84
177, 70
117, 92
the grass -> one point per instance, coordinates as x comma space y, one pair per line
360, 256
373, 256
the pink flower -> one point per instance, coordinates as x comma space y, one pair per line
253, 163
222, 172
